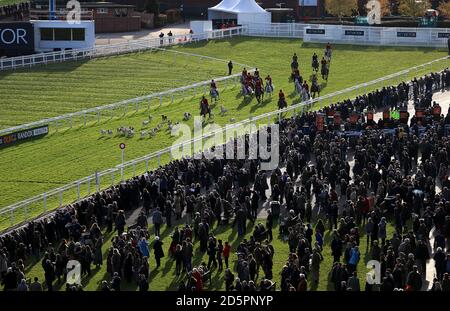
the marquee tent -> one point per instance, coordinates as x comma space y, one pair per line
244, 11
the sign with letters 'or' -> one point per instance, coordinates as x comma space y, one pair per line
17, 37
10, 139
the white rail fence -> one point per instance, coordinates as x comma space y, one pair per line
279, 30
114, 49
30, 208
97, 114
358, 35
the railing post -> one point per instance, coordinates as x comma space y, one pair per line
89, 185
26, 211
84, 114
160, 100
137, 105
134, 169
121, 173
70, 121
159, 159
60, 197
11, 218
98, 116
146, 165
171, 101
78, 190
112, 177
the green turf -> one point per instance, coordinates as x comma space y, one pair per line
8, 2
37, 166
165, 277
52, 90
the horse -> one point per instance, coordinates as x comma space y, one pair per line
328, 54
315, 89
315, 64
282, 103
214, 94
247, 90
205, 110
269, 88
324, 72
298, 86
259, 93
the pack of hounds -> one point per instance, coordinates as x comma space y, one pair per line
129, 131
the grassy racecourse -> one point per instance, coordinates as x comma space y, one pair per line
35, 167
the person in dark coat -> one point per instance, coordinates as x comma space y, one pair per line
157, 220
230, 67
115, 282
120, 222
158, 251
128, 268
414, 280
49, 272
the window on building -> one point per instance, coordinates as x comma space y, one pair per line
47, 34
78, 34
63, 34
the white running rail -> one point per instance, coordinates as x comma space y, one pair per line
107, 178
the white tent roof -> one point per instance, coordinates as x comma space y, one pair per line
238, 6
247, 6
225, 5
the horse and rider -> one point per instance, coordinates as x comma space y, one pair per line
259, 89
315, 87
204, 108
282, 103
213, 91
315, 62
328, 52
325, 68
269, 85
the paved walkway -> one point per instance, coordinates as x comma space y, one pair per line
145, 34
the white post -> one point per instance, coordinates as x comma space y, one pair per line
134, 169
123, 160
160, 100
84, 114
97, 181
12, 217
78, 190
89, 184
60, 198
159, 160
146, 165
45, 202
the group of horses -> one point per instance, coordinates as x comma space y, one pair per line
300, 85
254, 85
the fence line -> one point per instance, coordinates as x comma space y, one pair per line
109, 176
358, 35
96, 112
114, 49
